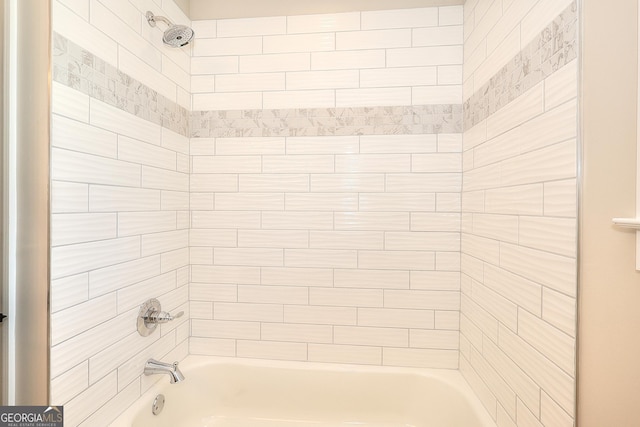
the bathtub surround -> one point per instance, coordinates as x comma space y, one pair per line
120, 203
325, 187
300, 187
519, 210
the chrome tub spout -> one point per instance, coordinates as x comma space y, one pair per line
156, 367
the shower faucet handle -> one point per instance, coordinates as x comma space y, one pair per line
151, 315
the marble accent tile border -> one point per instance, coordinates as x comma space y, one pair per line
417, 119
79, 69
553, 48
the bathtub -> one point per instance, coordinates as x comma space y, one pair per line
230, 392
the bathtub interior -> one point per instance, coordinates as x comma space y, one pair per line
224, 393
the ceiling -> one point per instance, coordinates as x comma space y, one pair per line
221, 9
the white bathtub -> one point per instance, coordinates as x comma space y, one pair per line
228, 392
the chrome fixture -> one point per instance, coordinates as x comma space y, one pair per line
158, 404
174, 35
153, 367
150, 315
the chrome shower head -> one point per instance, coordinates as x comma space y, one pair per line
174, 35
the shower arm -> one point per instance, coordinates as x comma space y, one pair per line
152, 19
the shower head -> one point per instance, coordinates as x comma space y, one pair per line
174, 35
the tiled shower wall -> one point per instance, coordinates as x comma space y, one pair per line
519, 209
325, 187
120, 182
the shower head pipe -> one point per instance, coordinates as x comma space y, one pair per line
152, 19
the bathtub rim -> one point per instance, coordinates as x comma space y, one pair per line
452, 377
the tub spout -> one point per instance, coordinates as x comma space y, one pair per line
155, 367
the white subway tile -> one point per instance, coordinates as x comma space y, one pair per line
396, 144
373, 97
212, 346
257, 82
254, 183
540, 15
133, 223
441, 162
226, 164
296, 332
89, 401
78, 167
273, 294
225, 274
114, 199
252, 26
347, 60
420, 358
70, 25
444, 340
111, 118
425, 95
74, 135
372, 220
73, 259
438, 36
248, 256
227, 46
225, 329
523, 108
316, 42
345, 240
400, 18
68, 385
299, 99
347, 183
213, 182
249, 146
561, 86
287, 276
133, 296
163, 179
227, 101
212, 237
69, 291
165, 241
555, 125
205, 28
322, 145
448, 320
249, 202
373, 279
273, 238
423, 182
520, 290
450, 75
112, 278
135, 151
422, 241
275, 62
298, 164
498, 58
68, 229
450, 15
381, 202
68, 197
397, 260
372, 163
377, 39
557, 235
406, 76
213, 65
316, 202
435, 280
435, 222
320, 258
297, 220
338, 79
248, 312
202, 84
358, 335
417, 299
320, 315
333, 353
424, 56
79, 318
212, 293
323, 22
272, 350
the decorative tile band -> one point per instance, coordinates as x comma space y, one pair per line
553, 48
420, 119
78, 68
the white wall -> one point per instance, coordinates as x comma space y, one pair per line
325, 199
519, 211
119, 231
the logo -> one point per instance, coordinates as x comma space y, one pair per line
31, 416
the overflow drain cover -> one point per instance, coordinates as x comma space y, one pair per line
158, 404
